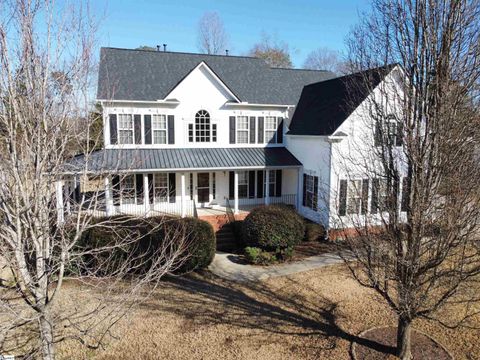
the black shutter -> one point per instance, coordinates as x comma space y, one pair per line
280, 131
364, 208
116, 190
139, 187
171, 129
260, 130
304, 201
342, 204
252, 129
171, 187
405, 194
374, 206
378, 133
150, 187
315, 193
137, 128
232, 129
113, 129
260, 184
251, 184
148, 129
399, 137
231, 185
278, 186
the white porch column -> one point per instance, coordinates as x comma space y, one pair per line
299, 188
267, 187
184, 212
235, 193
109, 209
59, 195
146, 197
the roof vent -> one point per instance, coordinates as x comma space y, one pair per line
158, 47
164, 47
226, 52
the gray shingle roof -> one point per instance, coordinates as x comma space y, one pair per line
324, 106
150, 75
173, 159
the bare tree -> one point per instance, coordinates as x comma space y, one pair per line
46, 62
325, 59
212, 37
411, 179
274, 52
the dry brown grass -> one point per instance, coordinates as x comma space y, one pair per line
310, 315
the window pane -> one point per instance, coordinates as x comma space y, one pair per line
242, 137
160, 183
242, 122
270, 136
159, 122
159, 136
128, 190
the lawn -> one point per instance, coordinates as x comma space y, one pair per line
310, 315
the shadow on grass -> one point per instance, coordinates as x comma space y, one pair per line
210, 300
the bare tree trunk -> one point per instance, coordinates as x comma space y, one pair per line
46, 336
404, 348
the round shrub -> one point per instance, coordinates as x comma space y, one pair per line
314, 232
201, 244
273, 227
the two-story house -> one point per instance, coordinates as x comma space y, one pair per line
192, 132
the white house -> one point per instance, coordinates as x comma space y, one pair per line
188, 132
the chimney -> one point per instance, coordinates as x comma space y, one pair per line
158, 47
226, 52
164, 47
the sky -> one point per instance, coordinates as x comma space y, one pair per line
304, 25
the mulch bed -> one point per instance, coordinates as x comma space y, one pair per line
313, 248
380, 344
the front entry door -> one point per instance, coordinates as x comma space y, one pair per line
203, 188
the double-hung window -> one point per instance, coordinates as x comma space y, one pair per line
270, 182
160, 187
242, 129
159, 129
309, 192
243, 184
125, 129
354, 196
128, 189
270, 129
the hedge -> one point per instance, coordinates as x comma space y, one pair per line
149, 233
273, 227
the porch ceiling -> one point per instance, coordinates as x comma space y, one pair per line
109, 160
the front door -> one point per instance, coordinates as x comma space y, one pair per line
203, 188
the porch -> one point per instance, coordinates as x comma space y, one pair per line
216, 183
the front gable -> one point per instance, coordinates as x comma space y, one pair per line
202, 86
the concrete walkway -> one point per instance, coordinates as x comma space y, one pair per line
232, 267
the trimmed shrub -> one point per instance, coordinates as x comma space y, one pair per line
314, 232
147, 236
201, 244
273, 227
257, 256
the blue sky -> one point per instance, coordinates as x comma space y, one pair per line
303, 24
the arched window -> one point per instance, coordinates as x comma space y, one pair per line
202, 126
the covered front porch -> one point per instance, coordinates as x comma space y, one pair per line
272, 178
